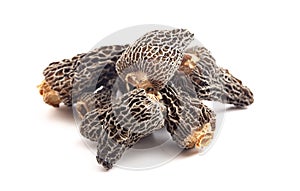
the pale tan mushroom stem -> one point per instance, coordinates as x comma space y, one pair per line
202, 137
50, 96
187, 64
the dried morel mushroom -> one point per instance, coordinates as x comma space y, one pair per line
190, 122
151, 61
68, 79
150, 78
212, 82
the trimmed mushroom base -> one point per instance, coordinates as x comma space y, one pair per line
50, 96
190, 122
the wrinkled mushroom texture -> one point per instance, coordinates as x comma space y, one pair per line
124, 93
214, 83
83, 73
188, 120
132, 117
152, 59
97, 69
59, 76
87, 102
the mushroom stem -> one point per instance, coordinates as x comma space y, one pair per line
50, 96
201, 138
187, 64
204, 137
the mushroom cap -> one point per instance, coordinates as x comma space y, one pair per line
59, 76
84, 73
152, 59
189, 121
214, 83
97, 69
131, 117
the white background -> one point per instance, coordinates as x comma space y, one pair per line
257, 149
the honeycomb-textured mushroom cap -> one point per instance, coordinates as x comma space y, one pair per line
190, 122
214, 83
152, 59
59, 76
97, 69
132, 117
70, 78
